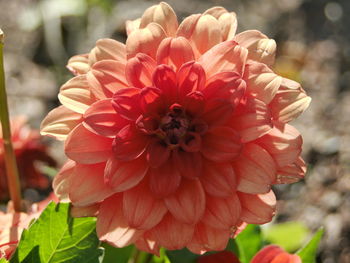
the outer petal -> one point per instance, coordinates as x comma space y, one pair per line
283, 142
107, 48
260, 47
145, 40
256, 170
60, 122
203, 31
289, 102
163, 15
221, 144
258, 209
252, 119
226, 56
227, 21
86, 147
286, 258
171, 233
187, 204
87, 185
291, 173
79, 64
132, 25
106, 77
86, 211
76, 95
111, 224
262, 83
148, 245
222, 213
218, 179
63, 179
174, 52
102, 119
267, 254
122, 176
164, 180
139, 71
141, 209
206, 238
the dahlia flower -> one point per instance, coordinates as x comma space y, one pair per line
175, 138
275, 254
28, 149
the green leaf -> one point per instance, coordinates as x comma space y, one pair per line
308, 253
249, 242
56, 237
116, 255
181, 256
290, 235
162, 257
2, 260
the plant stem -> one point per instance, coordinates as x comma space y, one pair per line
9, 154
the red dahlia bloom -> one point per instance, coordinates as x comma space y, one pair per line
275, 254
28, 149
175, 138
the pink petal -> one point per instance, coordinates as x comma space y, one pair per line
122, 176
151, 101
283, 143
76, 95
262, 82
174, 52
126, 102
164, 180
79, 64
267, 254
187, 204
139, 71
260, 47
86, 147
171, 233
225, 85
252, 119
60, 122
190, 77
257, 209
222, 213
206, 238
87, 186
227, 21
194, 103
145, 40
141, 209
112, 226
86, 211
129, 143
188, 163
289, 102
291, 173
256, 170
203, 31
218, 179
107, 48
217, 111
132, 25
286, 258
147, 245
62, 180
221, 144
157, 153
102, 119
226, 56
164, 78
163, 15
106, 77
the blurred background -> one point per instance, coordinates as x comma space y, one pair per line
313, 38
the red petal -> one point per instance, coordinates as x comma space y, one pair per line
187, 204
257, 209
194, 103
112, 226
141, 209
256, 170
222, 257
151, 101
86, 147
139, 71
106, 77
174, 52
221, 144
190, 77
218, 179
87, 185
286, 258
126, 102
217, 111
122, 176
267, 254
164, 180
102, 118
129, 143
188, 163
164, 78
157, 153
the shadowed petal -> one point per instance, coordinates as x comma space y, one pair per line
79, 64
157, 153
107, 48
126, 102
188, 163
139, 71
190, 77
291, 173
62, 181
164, 78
